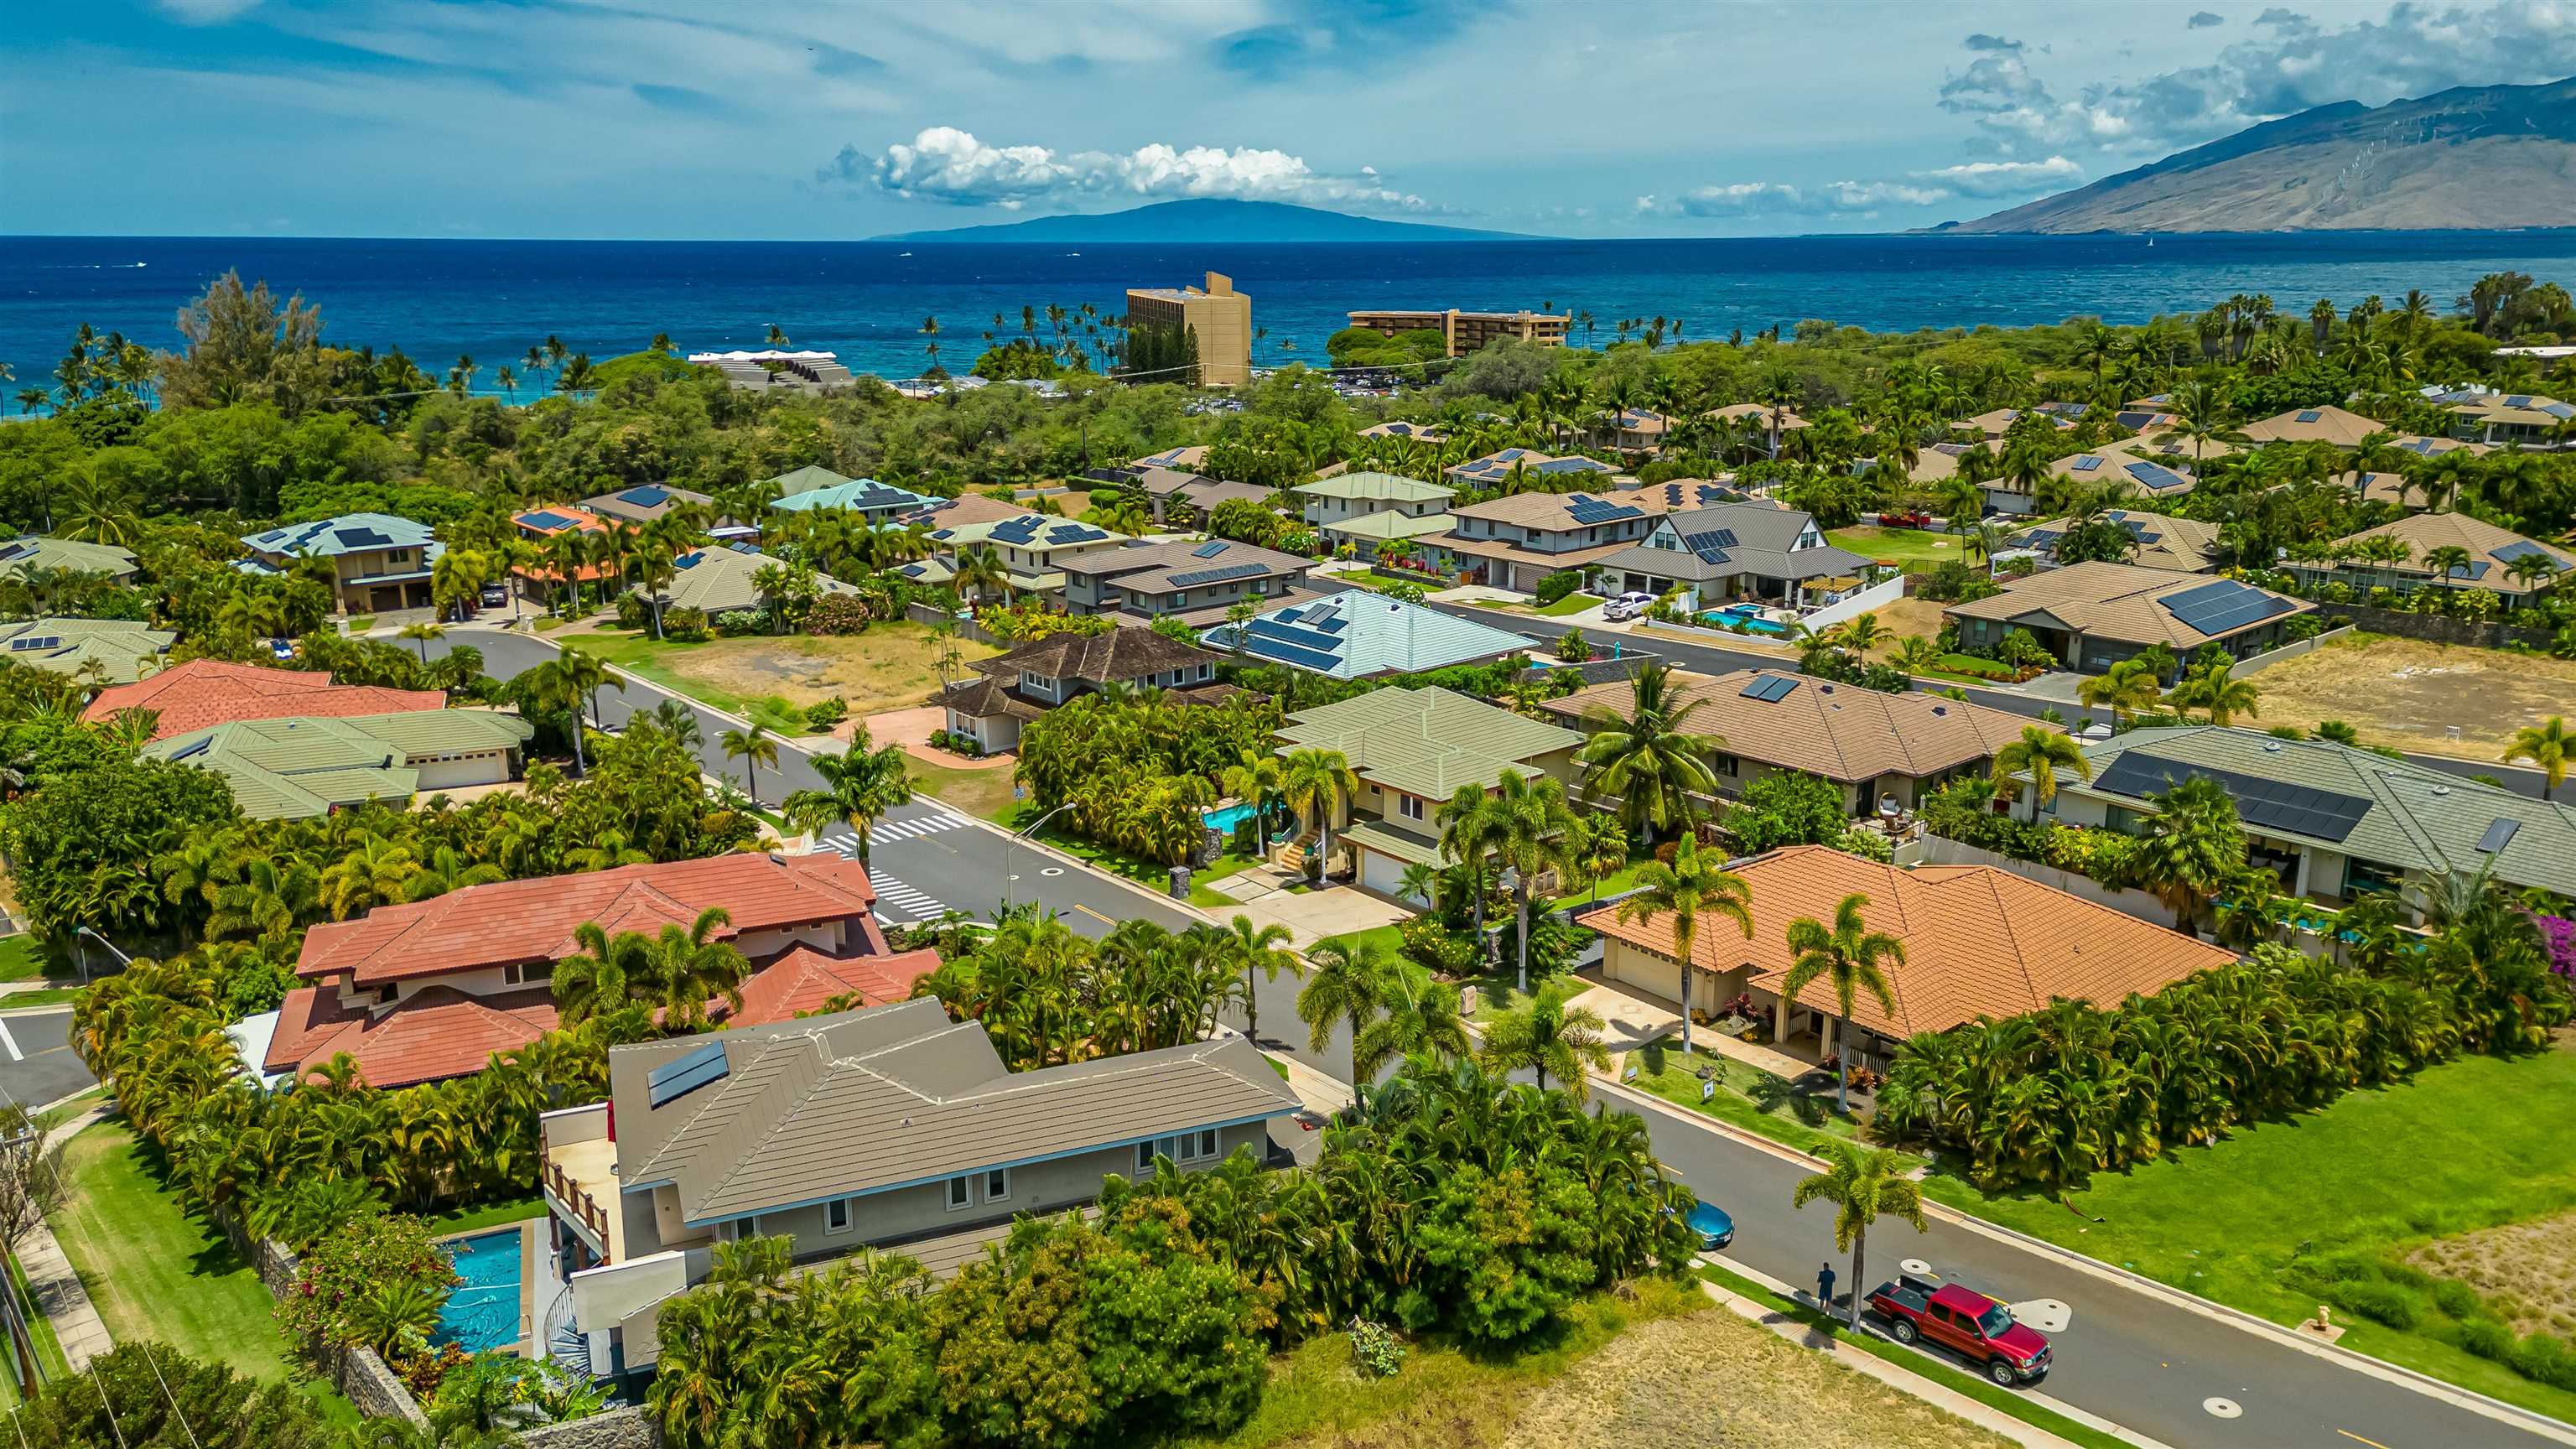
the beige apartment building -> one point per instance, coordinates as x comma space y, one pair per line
1220, 315
1467, 331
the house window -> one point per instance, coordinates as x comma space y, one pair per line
1726, 765
530, 971
1200, 1145
961, 1193
997, 1185
836, 1215
1194, 1146
1409, 806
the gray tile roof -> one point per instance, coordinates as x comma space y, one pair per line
1427, 742
348, 533
2419, 819
894, 1096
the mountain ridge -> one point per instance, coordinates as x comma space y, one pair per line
2467, 158
1207, 219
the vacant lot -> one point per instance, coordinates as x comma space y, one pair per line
2527, 1269
888, 667
2413, 695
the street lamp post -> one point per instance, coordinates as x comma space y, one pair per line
1017, 836
121, 957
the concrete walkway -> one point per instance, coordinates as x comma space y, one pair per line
55, 1284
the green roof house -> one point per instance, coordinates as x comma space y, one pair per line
288, 769
1413, 749
20, 557
2335, 822
118, 647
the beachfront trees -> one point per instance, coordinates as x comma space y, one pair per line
1550, 1034
1851, 958
2548, 747
1694, 884
1651, 761
859, 787
1863, 1184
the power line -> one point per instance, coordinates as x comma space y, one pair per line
104, 1404
146, 1346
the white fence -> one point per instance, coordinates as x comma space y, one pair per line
1886, 591
2256, 664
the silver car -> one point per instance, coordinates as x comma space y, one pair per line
1627, 606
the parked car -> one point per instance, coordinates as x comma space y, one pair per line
1627, 606
1965, 1322
1716, 1230
495, 595
1905, 518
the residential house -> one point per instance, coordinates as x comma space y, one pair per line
2093, 615
1363, 635
1515, 541
1632, 430
872, 501
1995, 422
2511, 420
1940, 463
1371, 532
770, 369
430, 990
2324, 423
1882, 749
2183, 545
1756, 551
296, 768
2117, 465
646, 502
970, 508
808, 479
1346, 496
1179, 496
888, 1128
1023, 683
541, 526
2436, 447
29, 556
1465, 332
719, 580
205, 692
379, 563
114, 651
1413, 750
1417, 432
1032, 547
1188, 459
2334, 822
1979, 942
1787, 420
1217, 315
1192, 580
1537, 469
2515, 569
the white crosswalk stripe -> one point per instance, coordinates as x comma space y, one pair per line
906, 901
887, 831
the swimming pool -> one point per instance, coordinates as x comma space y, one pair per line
1231, 816
1743, 616
483, 1312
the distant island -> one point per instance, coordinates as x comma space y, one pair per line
2469, 159
1210, 220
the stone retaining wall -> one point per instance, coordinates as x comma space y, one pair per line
359, 1373
627, 1428
2440, 628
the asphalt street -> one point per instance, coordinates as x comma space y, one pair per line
37, 1064
2125, 1354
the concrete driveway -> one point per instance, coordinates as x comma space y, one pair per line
1329, 910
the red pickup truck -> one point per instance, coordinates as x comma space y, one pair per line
1966, 1322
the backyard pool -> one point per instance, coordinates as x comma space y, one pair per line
1742, 616
1231, 816
483, 1312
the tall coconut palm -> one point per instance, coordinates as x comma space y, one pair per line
1693, 885
2191, 848
1423, 1019
1257, 948
2041, 752
1347, 980
859, 787
1851, 957
1319, 786
1650, 760
1537, 836
755, 747
2214, 689
1864, 1184
421, 633
1549, 1034
572, 681
2547, 746
1471, 826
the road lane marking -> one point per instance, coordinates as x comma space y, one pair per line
2356, 1438
1095, 915
11, 1043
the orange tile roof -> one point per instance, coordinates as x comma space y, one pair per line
533, 920
1978, 941
205, 692
804, 979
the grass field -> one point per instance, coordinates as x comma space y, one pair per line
1911, 549
2252, 1220
2411, 695
888, 667
1747, 1096
984, 794
155, 1272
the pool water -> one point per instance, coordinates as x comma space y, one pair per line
1231, 816
1746, 618
483, 1311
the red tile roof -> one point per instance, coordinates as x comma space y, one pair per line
804, 979
204, 692
523, 921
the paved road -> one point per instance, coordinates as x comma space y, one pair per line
1718, 659
37, 1064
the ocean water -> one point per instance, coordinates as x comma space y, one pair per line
866, 300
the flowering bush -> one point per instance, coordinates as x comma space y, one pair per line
1375, 1349
2559, 934
379, 1282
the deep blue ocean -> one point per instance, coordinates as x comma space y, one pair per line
866, 300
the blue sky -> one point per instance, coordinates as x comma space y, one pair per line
846, 118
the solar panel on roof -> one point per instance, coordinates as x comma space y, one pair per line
2518, 400
2224, 605
1075, 533
2520, 548
1217, 576
650, 495
1208, 550
1314, 659
2310, 416
2262, 803
2156, 475
1770, 689
361, 538
2499, 835
690, 1071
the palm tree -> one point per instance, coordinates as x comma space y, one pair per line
980, 574
601, 976
1859, 635
687, 969
1650, 760
2546, 745
1537, 835
2214, 689
1319, 785
1692, 884
1848, 956
570, 681
1863, 1184
1549, 1034
755, 747
2041, 752
2190, 849
859, 787
2447, 563
421, 634
2125, 688
1422, 1020
1470, 828
1346, 980
1257, 948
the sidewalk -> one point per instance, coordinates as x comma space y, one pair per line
56, 1285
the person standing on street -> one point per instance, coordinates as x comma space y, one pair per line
1825, 1286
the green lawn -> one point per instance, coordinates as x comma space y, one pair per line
490, 1215
1574, 603
1153, 875
1387, 938
984, 794
2258, 1219
1747, 1096
49, 1347
21, 959
156, 1272
1912, 549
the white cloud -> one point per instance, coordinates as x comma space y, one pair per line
1737, 199
205, 12
2002, 178
949, 165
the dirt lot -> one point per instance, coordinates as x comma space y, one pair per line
889, 667
1907, 616
2527, 1268
1657, 1384
2411, 695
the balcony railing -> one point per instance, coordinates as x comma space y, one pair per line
568, 1191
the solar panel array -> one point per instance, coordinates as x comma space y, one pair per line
650, 495
1208, 550
542, 518
1196, 577
1018, 530
2086, 464
2224, 605
1572, 465
678, 1078
2310, 416
1075, 533
39, 641
2264, 804
2499, 835
2518, 400
362, 538
1770, 688
2157, 476
1585, 509
1710, 544
2519, 548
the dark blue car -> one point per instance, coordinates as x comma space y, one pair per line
1714, 1227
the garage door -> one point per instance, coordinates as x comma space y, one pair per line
1384, 874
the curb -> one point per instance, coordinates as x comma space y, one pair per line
1072, 861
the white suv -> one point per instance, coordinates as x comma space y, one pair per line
1627, 606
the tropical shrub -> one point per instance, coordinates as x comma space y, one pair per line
1375, 1351
1047, 996
1572, 647
1559, 584
634, 612
146, 1393
1138, 775
1553, 943
838, 614
686, 623
1451, 951
1785, 807
741, 621
823, 714
377, 1282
